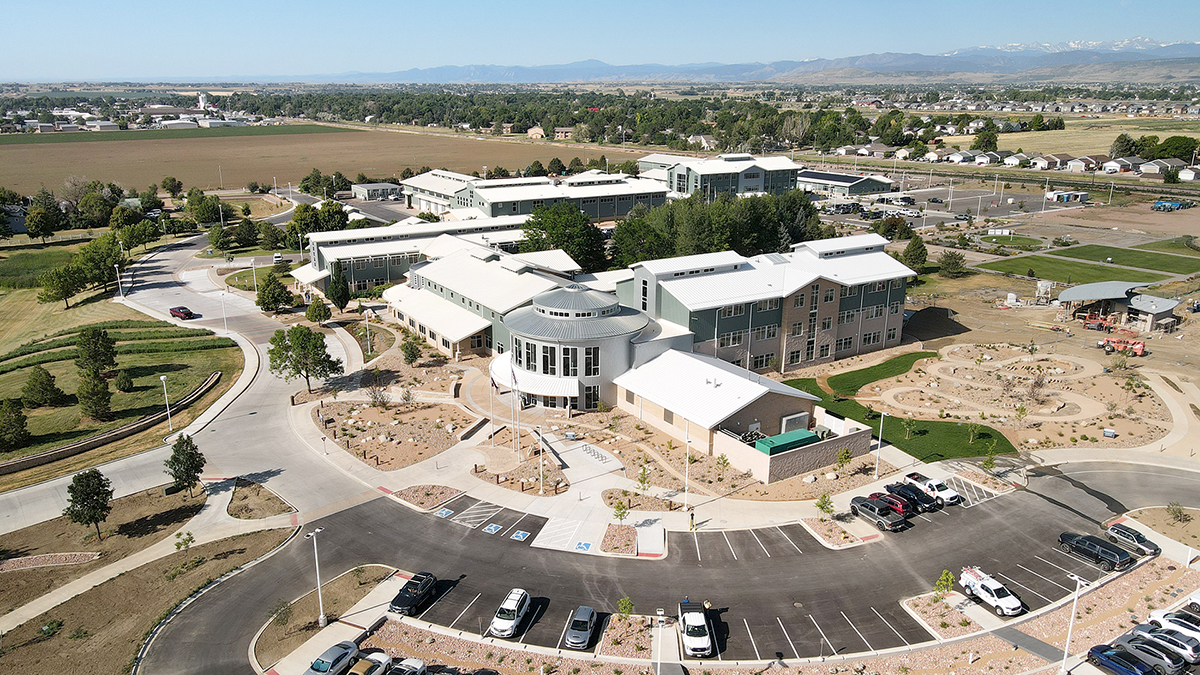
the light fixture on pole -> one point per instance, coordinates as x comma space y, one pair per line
320, 601
254, 273
879, 445
224, 318
1079, 583
119, 289
163, 378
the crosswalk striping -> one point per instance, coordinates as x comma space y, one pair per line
972, 494
477, 514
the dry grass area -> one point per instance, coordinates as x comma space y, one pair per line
637, 502
829, 531
428, 496
442, 653
86, 630
946, 621
280, 639
859, 472
620, 539
38, 320
136, 522
1186, 531
394, 437
252, 501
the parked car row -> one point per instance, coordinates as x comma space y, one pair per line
889, 510
1166, 645
345, 657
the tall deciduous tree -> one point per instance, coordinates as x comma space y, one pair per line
338, 290
96, 258
332, 216
95, 350
300, 352
40, 389
60, 284
185, 464
89, 499
318, 312
564, 226
272, 295
172, 185
40, 224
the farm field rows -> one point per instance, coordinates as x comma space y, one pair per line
1068, 271
1162, 262
233, 161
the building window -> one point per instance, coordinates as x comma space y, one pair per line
799, 300
767, 305
880, 286
842, 344
872, 338
476, 342
732, 311
379, 262
645, 293
798, 328
829, 295
894, 308
445, 343
530, 356
517, 350
360, 264
849, 291
732, 339
793, 357
760, 361
849, 316
668, 416
550, 401
629, 395
591, 396
548, 356
824, 351
827, 323
570, 361
591, 362
897, 283
891, 334
816, 290
764, 333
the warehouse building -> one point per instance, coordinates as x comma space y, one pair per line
374, 191
841, 184
733, 173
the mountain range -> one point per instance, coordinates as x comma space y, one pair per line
1014, 62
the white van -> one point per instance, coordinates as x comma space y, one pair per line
277, 258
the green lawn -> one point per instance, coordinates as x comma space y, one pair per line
249, 251
931, 440
1012, 240
848, 384
20, 266
1175, 245
1162, 262
244, 280
1068, 271
161, 134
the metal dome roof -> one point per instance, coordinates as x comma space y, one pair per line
575, 298
527, 323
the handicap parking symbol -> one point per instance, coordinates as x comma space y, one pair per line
492, 529
519, 535
583, 546
444, 513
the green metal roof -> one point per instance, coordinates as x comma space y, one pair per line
784, 442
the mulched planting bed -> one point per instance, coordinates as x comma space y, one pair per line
947, 621
251, 501
394, 437
637, 502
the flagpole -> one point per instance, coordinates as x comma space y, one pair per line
492, 406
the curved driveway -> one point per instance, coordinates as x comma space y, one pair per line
775, 587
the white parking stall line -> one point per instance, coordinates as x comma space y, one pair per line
436, 601
789, 638
790, 542
1043, 577
528, 625
730, 545
752, 642
696, 538
764, 548
514, 524
1014, 581
832, 649
564, 630
885, 621
464, 610
1072, 557
868, 644
928, 520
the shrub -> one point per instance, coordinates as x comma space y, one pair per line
123, 382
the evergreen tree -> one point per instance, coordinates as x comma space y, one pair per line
13, 433
89, 498
952, 264
556, 167
1122, 146
785, 238
272, 295
95, 350
318, 312
271, 236
94, 397
40, 389
185, 464
915, 254
246, 233
338, 290
123, 382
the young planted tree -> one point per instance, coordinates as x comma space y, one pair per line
844, 457
89, 498
973, 431
123, 382
272, 296
620, 512
338, 291
825, 505
643, 479
13, 433
185, 463
318, 312
908, 424
944, 585
411, 352
40, 389
300, 352
95, 400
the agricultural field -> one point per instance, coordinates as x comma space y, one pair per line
1011, 240
1090, 136
1068, 271
1175, 246
1162, 262
209, 160
165, 134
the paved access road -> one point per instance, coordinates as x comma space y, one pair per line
777, 590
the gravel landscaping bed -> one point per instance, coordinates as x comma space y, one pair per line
620, 539
394, 437
946, 621
46, 560
637, 502
428, 496
524, 477
830, 531
627, 637
859, 472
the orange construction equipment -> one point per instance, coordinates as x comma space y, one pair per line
1113, 344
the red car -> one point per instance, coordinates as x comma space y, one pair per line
900, 506
182, 313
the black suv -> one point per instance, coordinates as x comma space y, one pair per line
414, 594
918, 499
1095, 549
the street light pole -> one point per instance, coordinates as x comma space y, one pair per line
254, 273
879, 445
541, 462
119, 289
320, 601
687, 465
1071, 627
163, 378
224, 318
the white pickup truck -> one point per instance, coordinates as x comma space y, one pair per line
695, 629
976, 584
934, 488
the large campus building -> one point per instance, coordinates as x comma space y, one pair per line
602, 196
734, 173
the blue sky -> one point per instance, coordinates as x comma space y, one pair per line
77, 40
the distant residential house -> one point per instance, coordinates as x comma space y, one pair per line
536, 132
904, 153
563, 133
1123, 164
1159, 166
848, 150
1015, 160
1087, 163
995, 157
506, 128
705, 141
1046, 162
962, 156
1189, 173
876, 150
101, 125
939, 154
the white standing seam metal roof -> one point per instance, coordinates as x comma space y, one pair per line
554, 259
487, 283
748, 284
689, 262
1152, 304
307, 274
445, 318
420, 229
704, 390
439, 182
851, 243
604, 281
